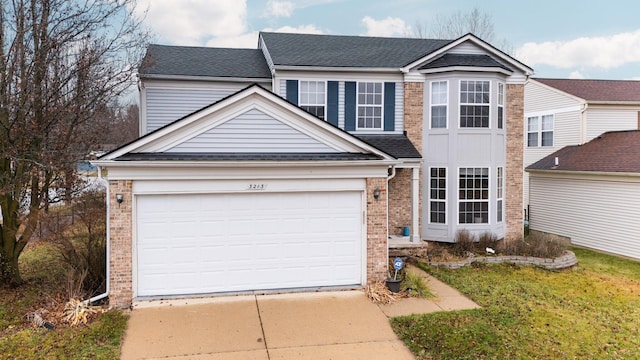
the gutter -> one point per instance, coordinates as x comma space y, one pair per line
108, 252
393, 174
583, 120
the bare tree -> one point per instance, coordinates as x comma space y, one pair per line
460, 23
61, 61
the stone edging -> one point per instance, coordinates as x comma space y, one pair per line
566, 260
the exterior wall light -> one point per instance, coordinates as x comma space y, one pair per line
119, 198
376, 193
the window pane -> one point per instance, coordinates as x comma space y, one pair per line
437, 184
532, 139
547, 122
532, 123
439, 116
547, 138
474, 191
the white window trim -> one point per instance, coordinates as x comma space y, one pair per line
381, 128
431, 104
500, 184
503, 98
446, 196
490, 194
326, 94
539, 130
489, 104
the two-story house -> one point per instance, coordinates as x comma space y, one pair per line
565, 112
288, 166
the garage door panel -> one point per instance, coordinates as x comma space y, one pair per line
189, 244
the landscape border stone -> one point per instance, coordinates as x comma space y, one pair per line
566, 260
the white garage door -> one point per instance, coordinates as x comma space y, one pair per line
206, 243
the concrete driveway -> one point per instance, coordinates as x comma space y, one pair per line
328, 325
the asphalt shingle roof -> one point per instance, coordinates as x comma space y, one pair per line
615, 151
597, 90
245, 157
398, 146
464, 60
203, 61
347, 51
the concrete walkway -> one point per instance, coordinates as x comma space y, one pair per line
324, 325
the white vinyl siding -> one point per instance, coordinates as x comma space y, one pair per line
538, 97
165, 105
594, 212
253, 131
601, 120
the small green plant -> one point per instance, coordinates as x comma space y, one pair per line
415, 285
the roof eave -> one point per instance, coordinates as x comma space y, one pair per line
337, 69
584, 172
203, 78
467, 68
240, 163
604, 102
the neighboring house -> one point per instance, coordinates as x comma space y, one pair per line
591, 193
288, 166
562, 112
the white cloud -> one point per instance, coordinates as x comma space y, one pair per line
576, 75
385, 27
195, 22
605, 52
279, 9
302, 29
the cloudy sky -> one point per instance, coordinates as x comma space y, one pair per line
592, 39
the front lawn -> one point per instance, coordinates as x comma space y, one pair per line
591, 311
45, 289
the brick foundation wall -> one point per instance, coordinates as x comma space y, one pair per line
120, 261
400, 201
514, 204
377, 260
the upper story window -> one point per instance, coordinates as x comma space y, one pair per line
540, 131
474, 103
369, 114
500, 105
439, 96
313, 98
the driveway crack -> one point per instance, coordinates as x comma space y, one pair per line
264, 338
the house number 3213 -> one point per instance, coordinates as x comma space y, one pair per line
257, 187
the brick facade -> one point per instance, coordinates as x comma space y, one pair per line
120, 261
413, 112
514, 204
400, 201
377, 258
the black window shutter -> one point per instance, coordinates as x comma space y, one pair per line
292, 91
332, 102
350, 106
389, 106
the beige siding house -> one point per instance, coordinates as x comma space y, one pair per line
590, 193
563, 112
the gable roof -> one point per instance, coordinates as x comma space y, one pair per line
597, 90
615, 151
161, 60
157, 145
287, 49
394, 144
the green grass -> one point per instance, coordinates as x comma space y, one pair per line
591, 311
44, 274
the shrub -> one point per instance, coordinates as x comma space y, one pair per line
414, 284
82, 244
534, 245
463, 243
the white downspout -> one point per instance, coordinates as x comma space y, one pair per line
393, 174
108, 252
583, 120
